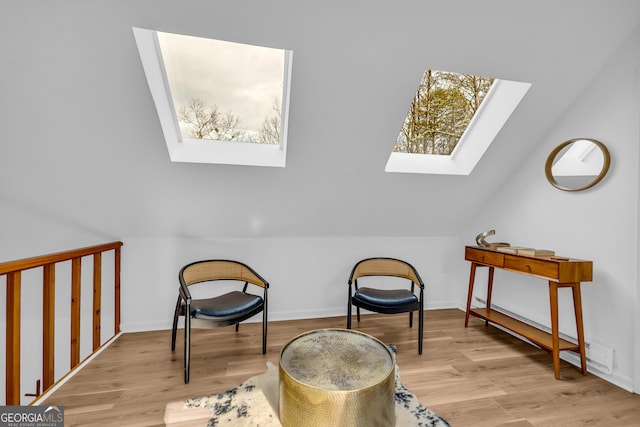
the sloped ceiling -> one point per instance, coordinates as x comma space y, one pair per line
81, 141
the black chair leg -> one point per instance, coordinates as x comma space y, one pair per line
264, 321
411, 319
420, 330
349, 307
175, 324
358, 313
187, 345
264, 331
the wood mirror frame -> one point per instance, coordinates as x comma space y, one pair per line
606, 161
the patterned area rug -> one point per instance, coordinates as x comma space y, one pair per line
255, 403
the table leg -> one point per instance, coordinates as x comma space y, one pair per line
489, 291
577, 308
555, 338
472, 278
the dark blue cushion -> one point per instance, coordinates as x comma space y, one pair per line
230, 305
385, 297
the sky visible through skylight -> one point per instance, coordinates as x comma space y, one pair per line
241, 79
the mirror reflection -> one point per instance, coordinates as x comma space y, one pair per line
577, 164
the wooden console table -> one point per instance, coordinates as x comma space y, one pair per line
560, 273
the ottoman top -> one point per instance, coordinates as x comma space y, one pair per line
336, 359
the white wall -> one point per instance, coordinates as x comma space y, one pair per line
29, 231
307, 276
600, 224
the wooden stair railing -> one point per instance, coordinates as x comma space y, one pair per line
13, 272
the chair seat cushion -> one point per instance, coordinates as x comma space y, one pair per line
234, 304
388, 300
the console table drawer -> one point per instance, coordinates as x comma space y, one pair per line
484, 257
547, 269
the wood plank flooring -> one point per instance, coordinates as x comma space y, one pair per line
477, 376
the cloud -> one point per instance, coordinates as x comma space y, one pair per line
239, 78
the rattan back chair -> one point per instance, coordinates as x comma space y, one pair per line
223, 309
389, 301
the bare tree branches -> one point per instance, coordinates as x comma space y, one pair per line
270, 133
206, 122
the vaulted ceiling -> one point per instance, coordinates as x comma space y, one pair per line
81, 140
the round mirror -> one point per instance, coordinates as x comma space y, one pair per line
577, 164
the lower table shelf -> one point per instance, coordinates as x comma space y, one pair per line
533, 334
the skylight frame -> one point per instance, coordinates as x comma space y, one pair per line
207, 151
496, 108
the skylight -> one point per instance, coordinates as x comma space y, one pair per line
452, 120
440, 112
218, 101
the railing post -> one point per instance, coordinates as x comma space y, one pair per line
13, 339
117, 255
48, 325
76, 269
97, 289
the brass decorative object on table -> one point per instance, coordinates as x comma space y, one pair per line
336, 377
480, 240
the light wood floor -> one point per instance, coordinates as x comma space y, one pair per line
477, 376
